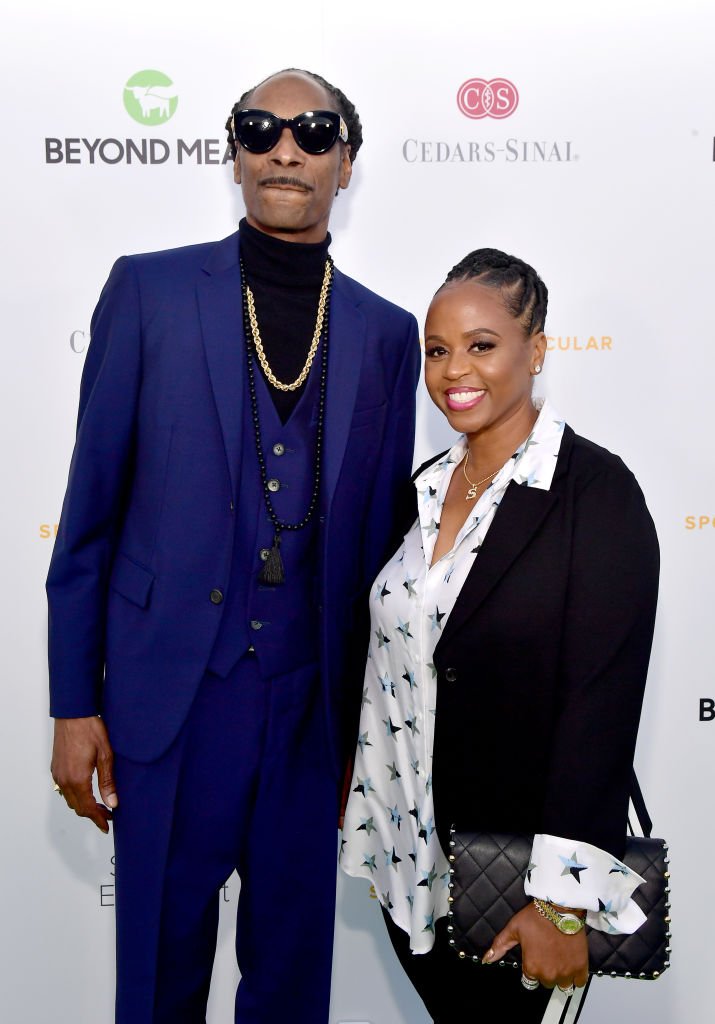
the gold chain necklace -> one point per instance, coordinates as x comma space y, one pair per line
472, 492
258, 344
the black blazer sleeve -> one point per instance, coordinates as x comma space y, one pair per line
605, 647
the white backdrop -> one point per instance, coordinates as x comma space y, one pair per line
602, 177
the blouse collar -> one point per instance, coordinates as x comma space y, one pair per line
532, 465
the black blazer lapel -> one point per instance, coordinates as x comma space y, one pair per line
520, 515
219, 297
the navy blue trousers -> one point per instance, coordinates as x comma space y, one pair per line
247, 785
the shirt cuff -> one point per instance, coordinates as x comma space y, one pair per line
584, 877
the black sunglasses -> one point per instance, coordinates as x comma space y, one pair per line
315, 131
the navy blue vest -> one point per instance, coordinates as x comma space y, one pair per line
279, 622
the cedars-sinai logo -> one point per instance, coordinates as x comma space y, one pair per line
479, 98
150, 97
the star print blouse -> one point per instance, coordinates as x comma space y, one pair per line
389, 830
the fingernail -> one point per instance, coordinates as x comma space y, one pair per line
112, 800
488, 956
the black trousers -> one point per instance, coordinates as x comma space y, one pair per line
456, 991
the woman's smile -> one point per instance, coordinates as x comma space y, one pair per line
463, 398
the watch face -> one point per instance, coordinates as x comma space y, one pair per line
570, 924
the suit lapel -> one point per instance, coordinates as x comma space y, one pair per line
219, 298
518, 518
345, 354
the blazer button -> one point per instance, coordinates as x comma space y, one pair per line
216, 597
279, 449
274, 485
264, 553
451, 675
256, 624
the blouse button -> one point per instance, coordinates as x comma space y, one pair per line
451, 675
279, 449
274, 485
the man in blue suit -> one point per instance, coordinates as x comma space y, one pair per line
245, 426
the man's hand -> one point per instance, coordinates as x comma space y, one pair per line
82, 745
546, 954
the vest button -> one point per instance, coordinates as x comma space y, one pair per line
255, 624
216, 597
274, 485
451, 675
264, 553
279, 449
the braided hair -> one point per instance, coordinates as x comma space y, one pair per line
345, 107
524, 294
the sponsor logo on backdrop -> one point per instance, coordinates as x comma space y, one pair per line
150, 99
707, 709
81, 150
478, 98
579, 343
79, 341
47, 531
107, 892
510, 151
106, 889
481, 99
699, 522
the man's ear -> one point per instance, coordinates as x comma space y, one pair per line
346, 168
237, 168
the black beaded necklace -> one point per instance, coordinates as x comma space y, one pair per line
273, 571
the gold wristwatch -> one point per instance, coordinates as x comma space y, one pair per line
569, 923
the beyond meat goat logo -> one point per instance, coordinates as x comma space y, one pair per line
150, 97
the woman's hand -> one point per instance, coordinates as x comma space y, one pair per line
546, 953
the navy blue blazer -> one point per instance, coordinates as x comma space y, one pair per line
147, 524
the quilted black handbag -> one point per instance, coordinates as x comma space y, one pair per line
487, 888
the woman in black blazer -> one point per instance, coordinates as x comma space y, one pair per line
510, 641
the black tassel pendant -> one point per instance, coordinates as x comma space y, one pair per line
272, 572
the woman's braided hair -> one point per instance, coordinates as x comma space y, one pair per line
345, 107
524, 293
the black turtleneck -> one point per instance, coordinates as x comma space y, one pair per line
285, 278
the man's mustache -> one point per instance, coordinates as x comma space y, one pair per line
291, 182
